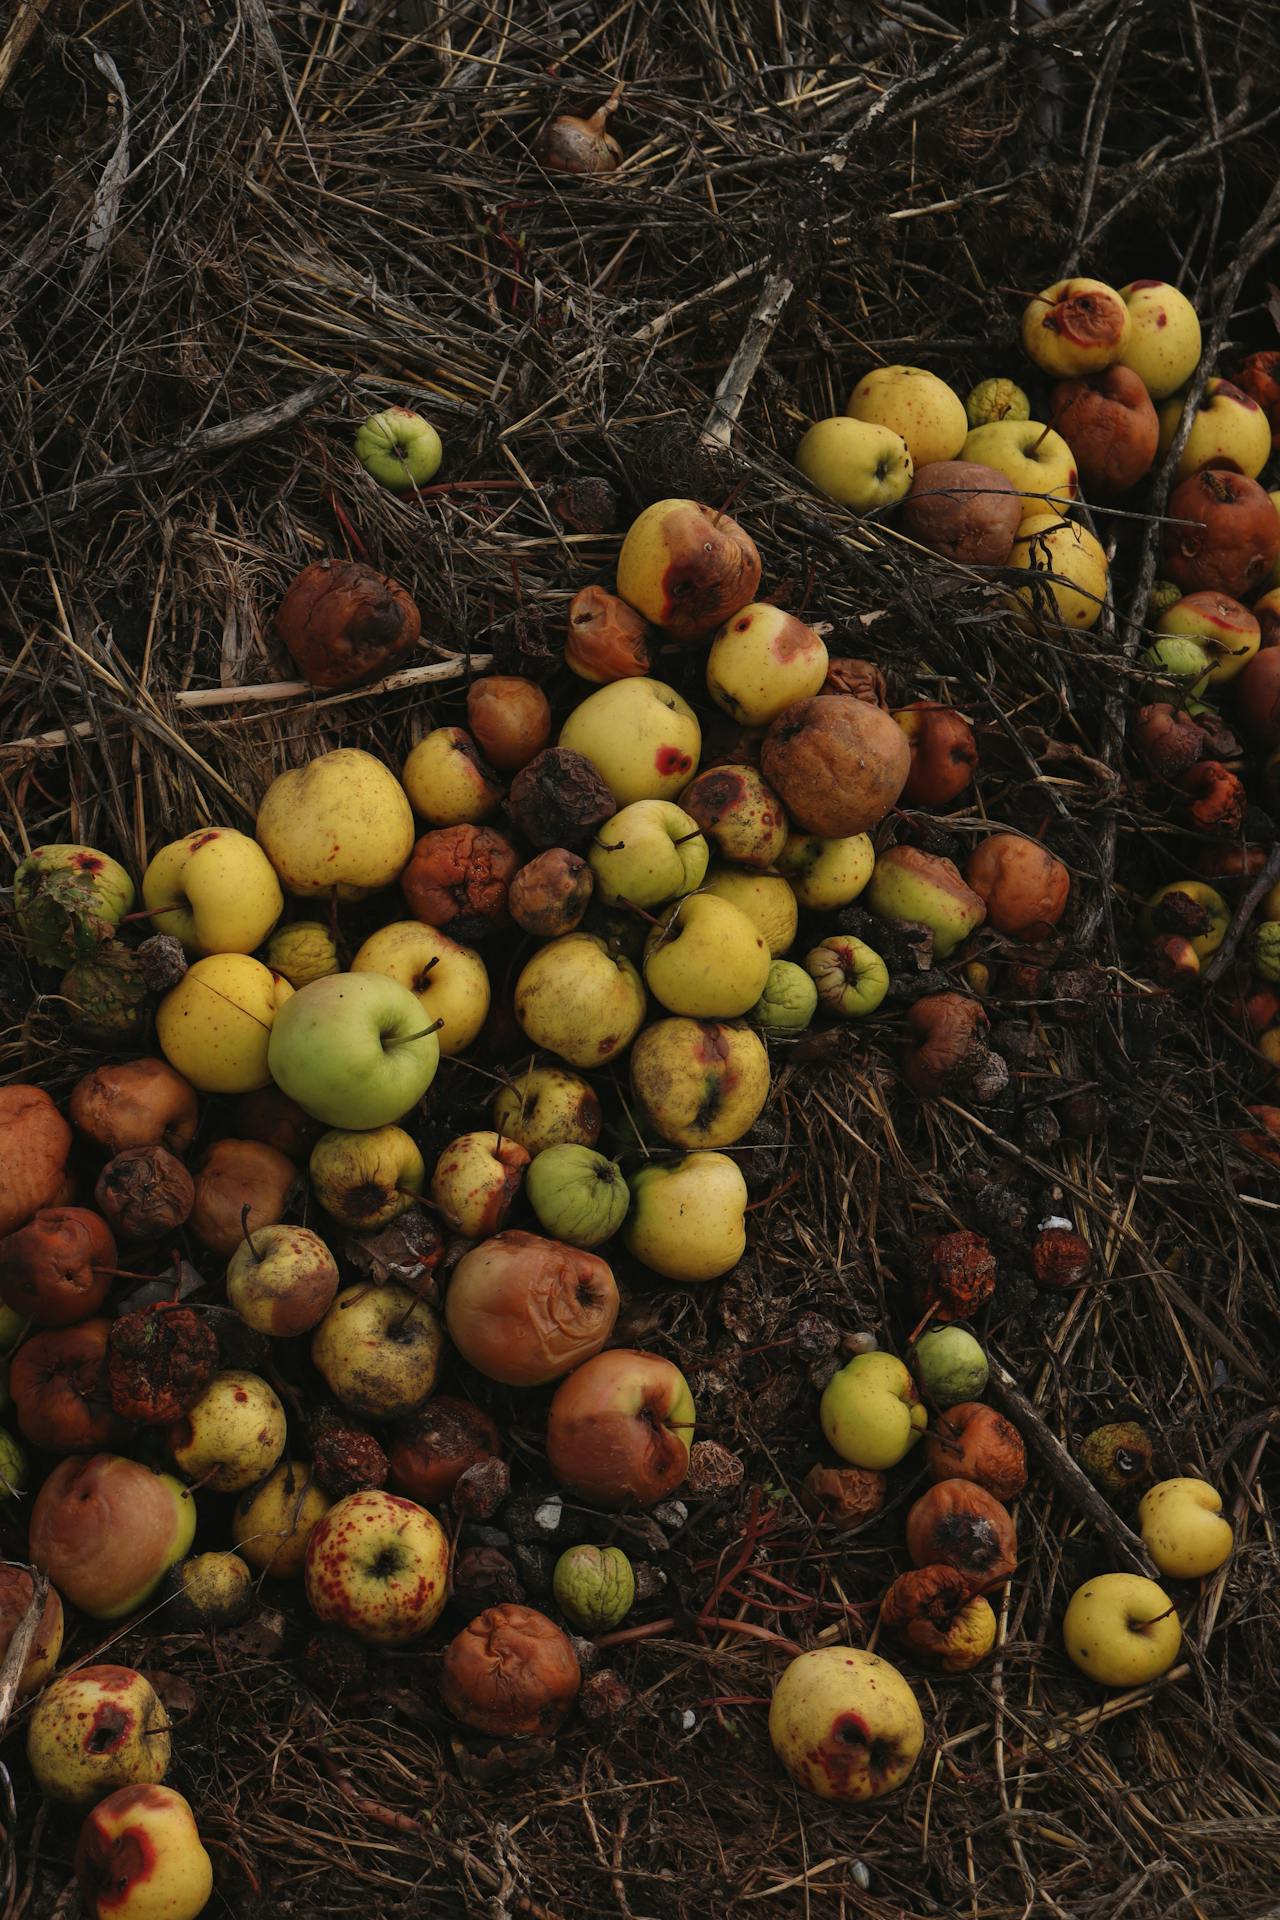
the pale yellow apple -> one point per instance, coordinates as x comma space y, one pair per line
366, 1177
642, 738
95, 1729
1075, 327
1272, 581
1121, 1629
139, 1857
1072, 567
1163, 347
1183, 1528
548, 1107
232, 1436
578, 998
215, 890
917, 406
855, 462
1226, 633
450, 980
446, 780
826, 874
214, 1026
766, 898
699, 1083
845, 1724
272, 1521
687, 1218
341, 826
1229, 430
762, 661
378, 1350
871, 1413
1035, 459
649, 853
706, 959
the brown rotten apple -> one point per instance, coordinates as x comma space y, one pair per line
135, 1103
511, 1673
510, 719
343, 623
160, 1359
859, 679
106, 1531
58, 1268
559, 799
236, 1175
959, 1524
620, 1428
935, 1614
608, 640
524, 1310
457, 879
436, 1445
1111, 427
686, 568
1222, 534
59, 1385
1167, 738
34, 1143
550, 894
838, 764
964, 511
948, 1050
1259, 377
944, 753
1025, 888
974, 1442
145, 1192
1257, 697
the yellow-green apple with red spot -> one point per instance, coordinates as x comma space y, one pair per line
449, 981
232, 1436
686, 568
642, 738
68, 899
871, 1413
548, 1107
687, 1218
398, 448
856, 463
739, 813
95, 1729
1121, 1629
368, 1179
447, 781
1076, 326
761, 661
765, 898
580, 999
699, 1083
1230, 430
355, 1051
215, 890
921, 409
340, 827
649, 853
140, 1857
826, 874
845, 1724
1163, 347
106, 1530
475, 1182
910, 886
282, 1280
378, 1350
1224, 633
378, 1565
851, 978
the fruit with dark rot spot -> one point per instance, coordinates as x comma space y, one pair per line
619, 1429
94, 1730
845, 1724
511, 1673
378, 1565
957, 1523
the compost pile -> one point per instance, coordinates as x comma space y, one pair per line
233, 232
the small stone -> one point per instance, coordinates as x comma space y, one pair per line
471, 1534
650, 1582
671, 1515
820, 1373
542, 1519
683, 1719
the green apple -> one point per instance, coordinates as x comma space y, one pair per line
789, 1000
699, 1083
851, 978
68, 899
706, 959
687, 1217
1179, 656
765, 898
578, 1195
353, 1051
215, 890
871, 1413
640, 736
594, 1587
826, 874
908, 885
651, 852
579, 999
400, 449
950, 1366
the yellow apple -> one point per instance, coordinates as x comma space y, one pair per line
687, 1217
855, 463
212, 1590
216, 891
921, 409
94, 1729
640, 736
272, 1521
1272, 581
907, 885
579, 999
1163, 347
1035, 459
378, 1565
1183, 1528
446, 780
706, 959
341, 826
303, 951
871, 1413
851, 977
139, 1857
1121, 1629
762, 661
826, 874
650, 853
1075, 327
215, 1025
845, 1724
366, 1177
378, 1350
548, 1107
232, 1435
996, 399
1229, 430
766, 898
450, 980
699, 1083
1072, 567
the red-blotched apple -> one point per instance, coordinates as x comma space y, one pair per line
699, 1083
449, 981
476, 1181
1036, 460
578, 1195
366, 1180
67, 900
1121, 1629
378, 1349
921, 409
640, 736
686, 568
856, 463
1224, 632
398, 448
378, 1565
353, 1051
282, 1281
548, 1107
908, 885
761, 661
216, 891
232, 1435
650, 853
706, 959
96, 1729
1163, 347
845, 1724
739, 813
1075, 326
524, 1310
826, 874
871, 1413
944, 753
851, 977
273, 1521
139, 1857
341, 826
1069, 569
578, 998
687, 1216
1230, 430
765, 898
1184, 1529
16, 1591
215, 1026
619, 1429
106, 1530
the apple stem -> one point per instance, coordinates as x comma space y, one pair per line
685, 838
610, 846
1035, 448
631, 907
403, 1039
244, 1228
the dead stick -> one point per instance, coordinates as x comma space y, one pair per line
15, 1658
21, 27
1070, 1480
727, 401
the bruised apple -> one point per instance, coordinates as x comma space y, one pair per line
434, 1447
686, 568
160, 1359
934, 1613
699, 1083
446, 780
134, 1103
738, 813
640, 735
509, 718
551, 893
106, 1530
761, 661
619, 1429
523, 1310
578, 998
58, 1380
240, 1185
1111, 427
1075, 326
342, 623
838, 764
1222, 534
378, 1565
607, 639
96, 1729
845, 1724
1163, 347
458, 879
1024, 887
964, 511
378, 1350
366, 1179
282, 1280
548, 1107
34, 1143
139, 1857
957, 1523
58, 1268
476, 1181
272, 1117
910, 886
511, 1672
944, 753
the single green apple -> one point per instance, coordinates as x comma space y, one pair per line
950, 1366
578, 1195
651, 852
595, 1587
400, 449
353, 1051
850, 977
789, 1000
871, 1412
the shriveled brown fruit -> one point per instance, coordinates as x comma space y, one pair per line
837, 764
511, 1673
974, 1442
964, 511
1222, 534
346, 1459
58, 1268
573, 144
34, 1143
607, 639
58, 1380
944, 753
1168, 739
947, 1034
934, 1613
523, 1309
958, 1275
858, 679
1259, 377
509, 718
434, 1447
559, 799
1061, 1260
343, 622
1111, 427
959, 1524
551, 893
1257, 697
145, 1192
1216, 798
135, 1103
843, 1496
457, 879
233, 1175
160, 1359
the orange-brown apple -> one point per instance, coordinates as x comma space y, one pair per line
106, 1530
1111, 427
964, 511
686, 568
1222, 534
619, 1429
1025, 889
434, 1447
523, 1310
944, 753
837, 764
607, 639
134, 1103
58, 1268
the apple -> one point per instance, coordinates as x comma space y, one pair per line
139, 1857
378, 1349
450, 980
215, 890
1226, 634
620, 1428
921, 409
341, 826
1184, 1529
594, 1587
134, 1103
106, 1530
511, 1673
214, 1027
68, 900
964, 511
1180, 657
845, 1724
578, 1195
446, 780
378, 1565
17, 1590
765, 898
523, 1310
367, 1179
648, 854
273, 1521
59, 1267
1038, 461
548, 1107
353, 1051
837, 763
1230, 430
789, 1000
739, 813
687, 1218
232, 1436
1267, 609
909, 886
996, 399
850, 977
639, 735
1121, 1630
1072, 563
510, 719
607, 639
578, 998
856, 463
1075, 326
950, 1366
686, 568
699, 1083
476, 1181
1205, 902
1024, 887
1163, 347
432, 1449
240, 1185
1222, 534
762, 660
210, 1590
551, 893
303, 951
398, 448
96, 1729
705, 959
1111, 427
944, 753
282, 1280
826, 874
343, 624
870, 1411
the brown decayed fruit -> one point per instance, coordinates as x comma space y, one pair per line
135, 1103
512, 1673
272, 1117
510, 719
59, 1267
947, 1034
235, 1175
1167, 737
858, 679
145, 1192
1257, 697
1222, 534
838, 764
607, 639
34, 1143
523, 1309
434, 1447
59, 1384
342, 623
1025, 887
160, 1359
959, 1524
1259, 377
1061, 1260
974, 1442
1111, 427
551, 893
944, 753
934, 1613
17, 1589
964, 511
1217, 800
559, 799
843, 1496
457, 879
959, 1275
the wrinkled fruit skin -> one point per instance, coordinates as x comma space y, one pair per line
145, 1192
551, 893
559, 799
1111, 427
959, 1524
1118, 1457
135, 1103
959, 1275
34, 1143
59, 1385
511, 1673
934, 1613
974, 1442
843, 1496
948, 1035
343, 623
67, 900
607, 639
1232, 541
160, 1359
595, 1587
524, 1310
435, 1447
457, 879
